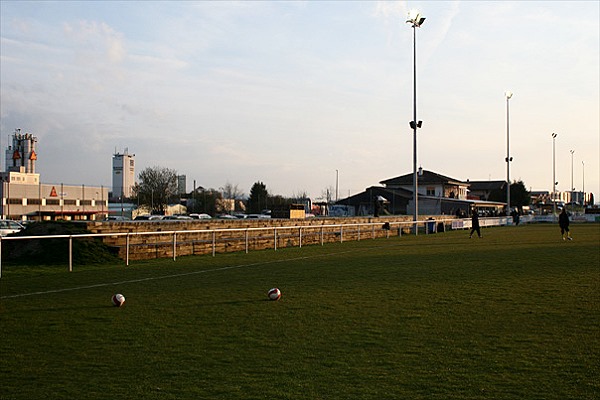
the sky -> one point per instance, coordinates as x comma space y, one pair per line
304, 96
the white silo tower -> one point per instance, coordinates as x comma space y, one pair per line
123, 174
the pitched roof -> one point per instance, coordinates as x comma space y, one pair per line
374, 191
487, 185
426, 177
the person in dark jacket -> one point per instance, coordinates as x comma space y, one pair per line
475, 224
563, 222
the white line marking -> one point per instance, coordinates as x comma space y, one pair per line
169, 276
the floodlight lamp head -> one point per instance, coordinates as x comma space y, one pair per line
554, 135
508, 94
415, 18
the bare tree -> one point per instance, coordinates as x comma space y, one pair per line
327, 194
156, 188
231, 191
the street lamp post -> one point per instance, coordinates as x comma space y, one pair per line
508, 95
553, 177
583, 182
416, 20
572, 188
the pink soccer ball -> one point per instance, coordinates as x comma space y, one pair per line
274, 294
118, 300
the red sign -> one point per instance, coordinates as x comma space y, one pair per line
53, 192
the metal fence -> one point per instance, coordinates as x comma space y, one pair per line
316, 233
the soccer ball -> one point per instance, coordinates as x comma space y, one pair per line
274, 294
118, 300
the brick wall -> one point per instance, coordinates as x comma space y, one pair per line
197, 237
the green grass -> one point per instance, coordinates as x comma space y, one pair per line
514, 315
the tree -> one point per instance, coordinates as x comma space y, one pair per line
232, 191
519, 195
258, 198
156, 187
204, 201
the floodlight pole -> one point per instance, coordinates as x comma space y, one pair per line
337, 184
508, 95
572, 188
553, 198
416, 19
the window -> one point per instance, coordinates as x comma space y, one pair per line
430, 191
69, 202
15, 201
52, 202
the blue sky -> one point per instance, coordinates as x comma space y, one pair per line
289, 92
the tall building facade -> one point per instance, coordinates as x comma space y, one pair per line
181, 184
123, 176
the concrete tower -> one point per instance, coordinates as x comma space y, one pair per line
123, 178
21, 155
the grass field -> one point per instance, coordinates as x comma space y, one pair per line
515, 315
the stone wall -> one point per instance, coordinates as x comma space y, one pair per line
220, 236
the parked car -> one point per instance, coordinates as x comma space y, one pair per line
176, 217
200, 216
7, 227
226, 216
117, 218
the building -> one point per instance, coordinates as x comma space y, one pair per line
483, 190
181, 184
438, 195
21, 155
24, 197
123, 174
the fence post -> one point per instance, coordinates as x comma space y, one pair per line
321, 235
275, 238
174, 246
70, 253
300, 235
341, 234
127, 250
358, 233
213, 243
246, 240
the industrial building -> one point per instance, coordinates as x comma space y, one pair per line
25, 198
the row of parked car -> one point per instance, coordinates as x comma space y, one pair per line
190, 217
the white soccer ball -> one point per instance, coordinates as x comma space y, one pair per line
118, 300
274, 294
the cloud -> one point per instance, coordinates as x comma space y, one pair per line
95, 39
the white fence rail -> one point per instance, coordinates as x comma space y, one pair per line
358, 230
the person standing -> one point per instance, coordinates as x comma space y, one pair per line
563, 222
475, 224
